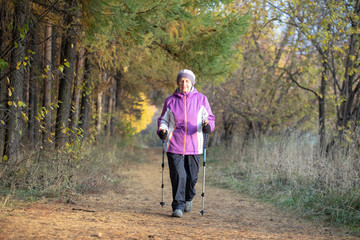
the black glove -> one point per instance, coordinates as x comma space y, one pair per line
163, 135
206, 128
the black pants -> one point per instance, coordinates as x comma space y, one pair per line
184, 170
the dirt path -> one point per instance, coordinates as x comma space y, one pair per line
137, 214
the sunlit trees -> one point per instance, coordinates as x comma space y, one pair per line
296, 54
332, 29
73, 69
259, 97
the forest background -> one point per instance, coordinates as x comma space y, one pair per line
82, 77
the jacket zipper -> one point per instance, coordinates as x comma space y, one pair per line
185, 127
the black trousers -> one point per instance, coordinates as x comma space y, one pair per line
184, 170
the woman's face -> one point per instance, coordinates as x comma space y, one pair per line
184, 85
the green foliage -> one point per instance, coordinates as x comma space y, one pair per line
205, 42
198, 34
129, 20
3, 64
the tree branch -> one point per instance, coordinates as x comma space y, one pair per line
291, 75
12, 45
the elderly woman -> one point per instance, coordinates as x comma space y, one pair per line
186, 115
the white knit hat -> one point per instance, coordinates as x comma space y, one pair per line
186, 73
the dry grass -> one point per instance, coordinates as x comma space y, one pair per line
76, 169
289, 171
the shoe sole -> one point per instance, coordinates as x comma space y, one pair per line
176, 215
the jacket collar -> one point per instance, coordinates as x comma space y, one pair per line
189, 94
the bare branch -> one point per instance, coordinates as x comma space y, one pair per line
291, 75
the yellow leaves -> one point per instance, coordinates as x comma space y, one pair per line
47, 69
61, 68
21, 104
311, 37
301, 69
338, 49
4, 158
18, 104
147, 113
2, 122
10, 91
18, 65
25, 117
66, 64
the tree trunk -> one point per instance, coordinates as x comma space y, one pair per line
34, 71
85, 102
348, 92
117, 99
55, 63
68, 54
3, 82
47, 85
77, 91
110, 108
228, 131
118, 79
321, 101
17, 77
99, 110
105, 83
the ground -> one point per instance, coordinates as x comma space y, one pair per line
136, 214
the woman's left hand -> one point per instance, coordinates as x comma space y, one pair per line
206, 127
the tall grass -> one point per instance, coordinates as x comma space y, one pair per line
289, 171
75, 169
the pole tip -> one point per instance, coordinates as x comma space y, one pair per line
162, 204
202, 212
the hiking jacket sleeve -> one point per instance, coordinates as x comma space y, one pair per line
164, 119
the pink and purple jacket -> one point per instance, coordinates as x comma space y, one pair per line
183, 116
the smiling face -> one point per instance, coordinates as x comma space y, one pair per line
184, 85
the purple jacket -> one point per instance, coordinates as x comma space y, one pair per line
183, 116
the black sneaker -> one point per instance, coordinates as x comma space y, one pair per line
177, 213
188, 206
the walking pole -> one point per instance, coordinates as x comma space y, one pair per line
162, 203
203, 183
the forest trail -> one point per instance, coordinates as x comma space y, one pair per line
136, 214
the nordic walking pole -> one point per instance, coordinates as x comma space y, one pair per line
203, 183
162, 203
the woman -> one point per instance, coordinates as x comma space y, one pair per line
185, 117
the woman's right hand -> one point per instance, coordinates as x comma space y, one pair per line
162, 134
